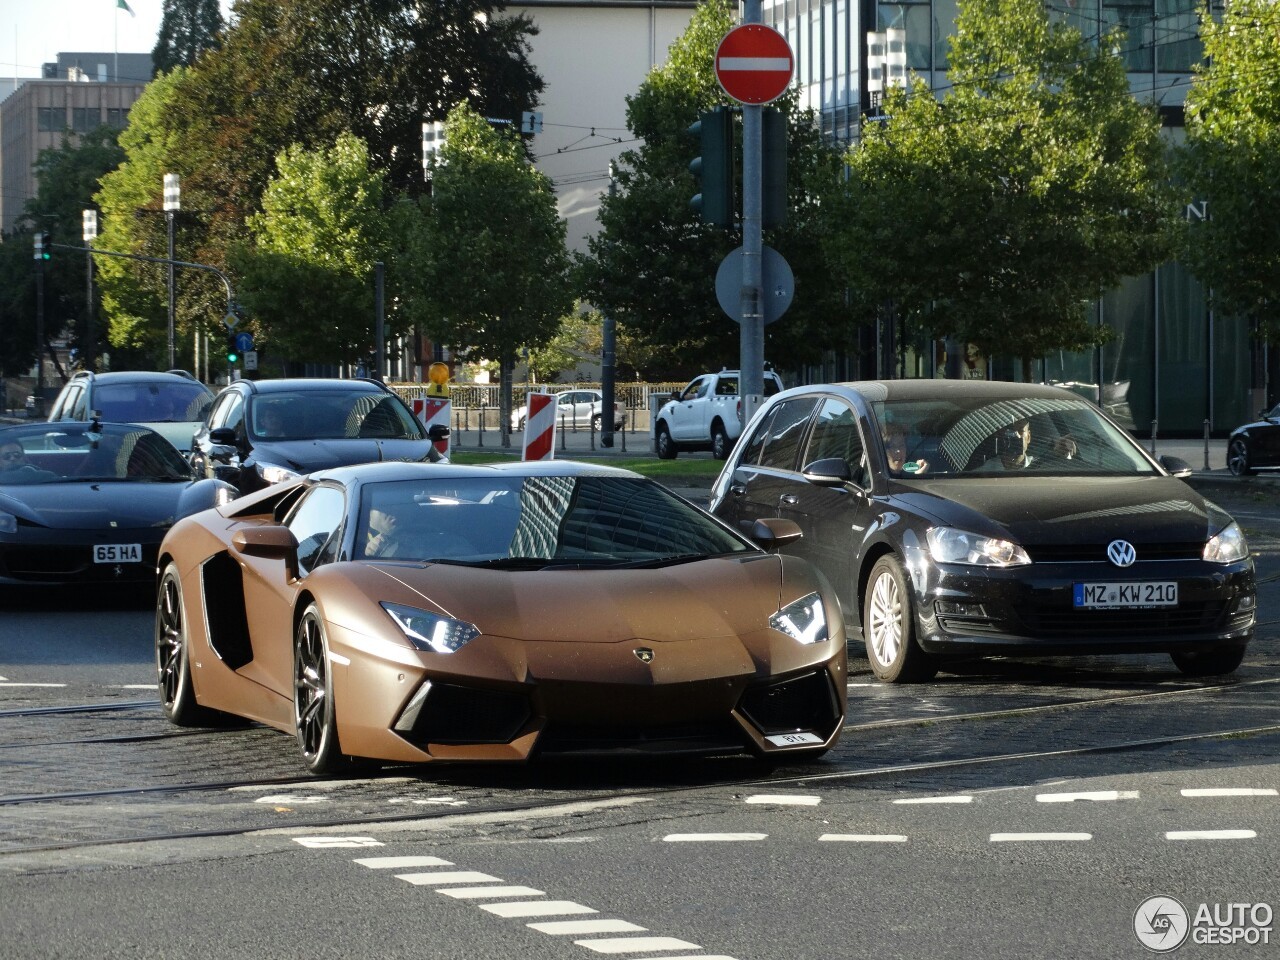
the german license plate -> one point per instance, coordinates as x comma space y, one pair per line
793, 739
1122, 596
117, 553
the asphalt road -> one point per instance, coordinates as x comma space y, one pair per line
1008, 809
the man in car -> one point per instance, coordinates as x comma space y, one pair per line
16, 468
1014, 446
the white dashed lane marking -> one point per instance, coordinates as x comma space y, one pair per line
338, 841
712, 837
642, 945
453, 877
1210, 835
1230, 792
1097, 795
578, 928
964, 798
402, 863
864, 837
782, 799
475, 893
536, 908
1037, 837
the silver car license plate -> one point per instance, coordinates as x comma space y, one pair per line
117, 553
1126, 596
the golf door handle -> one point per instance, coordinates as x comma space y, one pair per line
738, 489
788, 499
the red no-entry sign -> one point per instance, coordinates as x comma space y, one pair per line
754, 63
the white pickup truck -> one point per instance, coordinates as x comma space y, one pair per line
705, 415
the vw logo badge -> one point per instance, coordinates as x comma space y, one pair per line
1121, 553
643, 654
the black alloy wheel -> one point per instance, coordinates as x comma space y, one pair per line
720, 443
173, 658
314, 716
666, 446
1238, 458
1210, 664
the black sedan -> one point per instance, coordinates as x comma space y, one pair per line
961, 518
1256, 445
86, 503
267, 431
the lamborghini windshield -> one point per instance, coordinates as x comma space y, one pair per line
524, 522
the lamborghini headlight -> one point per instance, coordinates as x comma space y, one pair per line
803, 620
949, 545
1228, 546
274, 473
430, 631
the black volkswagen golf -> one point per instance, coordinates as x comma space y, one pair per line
961, 519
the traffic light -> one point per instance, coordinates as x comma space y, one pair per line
714, 166
233, 355
43, 246
773, 209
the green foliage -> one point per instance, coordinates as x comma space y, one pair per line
187, 29
308, 278
66, 179
996, 213
1232, 161
491, 262
653, 264
290, 72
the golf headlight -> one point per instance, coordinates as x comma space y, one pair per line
223, 495
1228, 546
803, 620
949, 545
8, 523
272, 473
430, 631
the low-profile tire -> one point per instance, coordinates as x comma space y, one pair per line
1209, 664
889, 627
666, 446
1238, 459
173, 658
721, 445
315, 718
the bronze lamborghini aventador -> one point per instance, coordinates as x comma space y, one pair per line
416, 612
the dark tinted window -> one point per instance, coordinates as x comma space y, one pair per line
835, 434
317, 523
786, 428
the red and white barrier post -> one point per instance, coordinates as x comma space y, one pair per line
540, 427
433, 410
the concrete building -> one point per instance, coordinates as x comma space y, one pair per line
1171, 364
592, 55
76, 94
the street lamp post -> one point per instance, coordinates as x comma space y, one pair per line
172, 204
90, 346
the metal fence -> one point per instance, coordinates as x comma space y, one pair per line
475, 409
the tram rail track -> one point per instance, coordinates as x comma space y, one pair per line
516, 808
848, 729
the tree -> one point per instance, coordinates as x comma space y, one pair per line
308, 276
66, 179
653, 263
1230, 161
492, 269
292, 72
580, 340
187, 29
997, 212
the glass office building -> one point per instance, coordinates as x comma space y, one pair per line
1171, 364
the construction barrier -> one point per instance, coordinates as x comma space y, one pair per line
540, 427
433, 410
